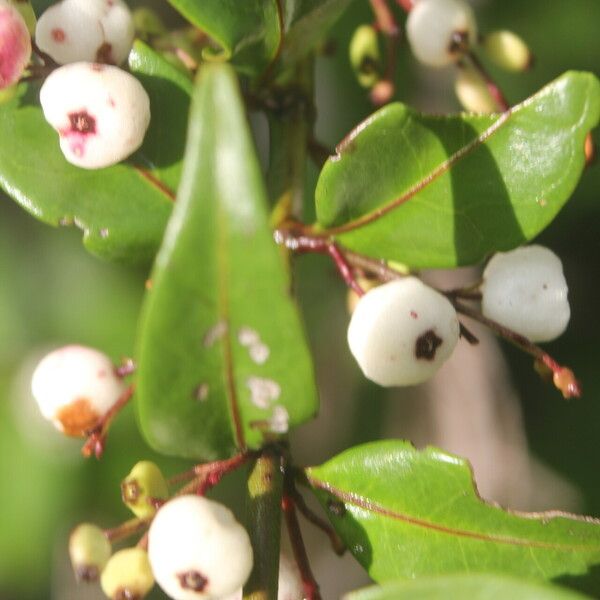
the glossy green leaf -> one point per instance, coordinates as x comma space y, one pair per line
405, 513
222, 349
445, 191
471, 587
248, 31
123, 209
306, 22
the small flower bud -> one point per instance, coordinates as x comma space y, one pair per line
86, 30
525, 290
507, 50
198, 550
440, 31
101, 113
89, 550
473, 93
144, 485
15, 45
127, 575
74, 387
402, 332
365, 56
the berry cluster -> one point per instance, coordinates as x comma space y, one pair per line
401, 332
100, 111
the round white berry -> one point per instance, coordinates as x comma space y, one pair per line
75, 386
402, 332
100, 112
86, 30
525, 290
198, 550
439, 31
15, 45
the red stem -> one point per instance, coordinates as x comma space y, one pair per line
492, 86
406, 5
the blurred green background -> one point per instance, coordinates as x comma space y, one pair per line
52, 292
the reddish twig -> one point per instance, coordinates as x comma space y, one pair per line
126, 529
406, 5
492, 86
97, 436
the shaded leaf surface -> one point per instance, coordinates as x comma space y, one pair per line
473, 587
121, 211
222, 347
248, 31
406, 513
446, 191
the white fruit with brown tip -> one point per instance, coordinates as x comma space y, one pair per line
402, 332
198, 550
440, 31
74, 387
86, 30
525, 290
100, 112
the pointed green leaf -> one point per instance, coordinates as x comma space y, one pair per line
471, 587
405, 514
248, 31
123, 209
446, 191
306, 22
222, 349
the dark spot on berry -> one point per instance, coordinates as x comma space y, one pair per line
126, 594
414, 314
97, 67
459, 42
545, 286
102, 373
104, 54
130, 491
87, 573
82, 122
111, 102
58, 35
192, 580
336, 508
427, 345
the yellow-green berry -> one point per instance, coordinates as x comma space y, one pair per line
142, 487
473, 93
89, 550
507, 50
365, 56
127, 575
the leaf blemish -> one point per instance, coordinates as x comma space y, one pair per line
214, 334
258, 350
248, 336
201, 392
280, 420
263, 391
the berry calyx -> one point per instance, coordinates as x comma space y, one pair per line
525, 290
75, 387
15, 45
86, 30
89, 550
127, 575
198, 550
143, 488
365, 56
441, 31
402, 332
101, 113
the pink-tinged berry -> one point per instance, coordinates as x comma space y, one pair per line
86, 30
74, 387
15, 45
100, 112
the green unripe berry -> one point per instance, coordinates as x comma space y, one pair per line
507, 50
365, 56
144, 484
127, 575
89, 550
473, 93
147, 22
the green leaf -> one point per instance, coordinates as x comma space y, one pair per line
405, 514
219, 281
123, 209
473, 587
446, 191
248, 31
306, 22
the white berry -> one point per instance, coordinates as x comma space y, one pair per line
75, 386
439, 31
100, 112
526, 290
15, 45
86, 30
402, 332
198, 550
